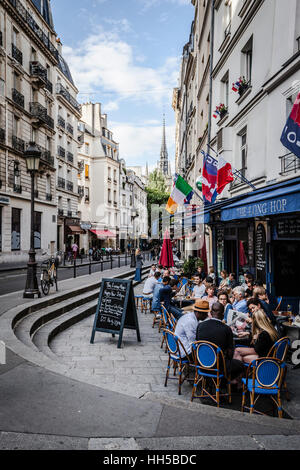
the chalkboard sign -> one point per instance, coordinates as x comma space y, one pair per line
260, 252
116, 309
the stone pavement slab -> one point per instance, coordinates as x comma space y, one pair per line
22, 441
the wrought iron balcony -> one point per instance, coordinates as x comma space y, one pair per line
39, 72
28, 19
61, 212
70, 129
36, 194
70, 186
0, 184
62, 91
17, 144
17, 188
49, 86
17, 54
289, 163
61, 183
61, 152
48, 197
18, 98
2, 136
80, 166
1, 38
80, 191
40, 112
70, 157
70, 213
61, 122
46, 157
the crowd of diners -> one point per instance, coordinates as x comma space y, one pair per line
202, 309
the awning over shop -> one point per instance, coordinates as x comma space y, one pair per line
75, 229
103, 233
279, 200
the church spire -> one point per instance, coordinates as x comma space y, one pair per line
164, 163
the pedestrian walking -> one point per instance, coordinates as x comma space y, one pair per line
74, 250
138, 265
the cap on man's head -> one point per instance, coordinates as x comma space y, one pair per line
201, 306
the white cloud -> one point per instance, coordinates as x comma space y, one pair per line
107, 63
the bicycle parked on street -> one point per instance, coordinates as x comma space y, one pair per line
49, 273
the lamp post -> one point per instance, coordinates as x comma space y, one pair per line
32, 156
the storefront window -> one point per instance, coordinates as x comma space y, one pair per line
220, 250
15, 229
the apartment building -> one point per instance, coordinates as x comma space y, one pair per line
28, 57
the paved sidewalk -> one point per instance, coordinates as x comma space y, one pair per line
41, 409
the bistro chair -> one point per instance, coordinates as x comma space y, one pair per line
146, 304
210, 367
279, 350
167, 322
264, 377
181, 362
157, 317
138, 300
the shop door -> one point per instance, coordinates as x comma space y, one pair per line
231, 256
286, 265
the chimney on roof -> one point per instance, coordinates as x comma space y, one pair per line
59, 45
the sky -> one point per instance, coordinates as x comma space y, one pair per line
126, 55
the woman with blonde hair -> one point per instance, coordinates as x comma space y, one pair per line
264, 336
225, 281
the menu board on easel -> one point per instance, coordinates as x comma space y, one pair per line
116, 309
260, 253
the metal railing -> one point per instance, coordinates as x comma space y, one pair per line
18, 98
70, 186
61, 90
70, 129
70, 157
40, 112
289, 163
61, 152
61, 122
38, 71
46, 156
18, 144
48, 197
17, 188
2, 136
60, 212
16, 54
61, 182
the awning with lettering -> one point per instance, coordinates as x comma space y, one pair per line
103, 233
280, 200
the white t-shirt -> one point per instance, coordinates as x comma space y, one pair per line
149, 285
199, 291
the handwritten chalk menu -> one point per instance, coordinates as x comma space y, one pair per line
260, 252
115, 309
288, 228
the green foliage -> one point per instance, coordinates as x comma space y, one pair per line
190, 266
157, 182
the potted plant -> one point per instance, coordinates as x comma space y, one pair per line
221, 111
190, 265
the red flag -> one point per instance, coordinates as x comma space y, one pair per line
224, 175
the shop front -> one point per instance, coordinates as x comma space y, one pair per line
259, 232
73, 231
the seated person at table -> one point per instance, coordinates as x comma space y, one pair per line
152, 270
165, 295
264, 336
223, 298
255, 304
187, 325
199, 288
232, 281
260, 294
248, 277
210, 295
240, 303
156, 298
159, 268
211, 273
200, 272
215, 331
224, 284
150, 284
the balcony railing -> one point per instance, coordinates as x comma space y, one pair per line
40, 112
49, 86
48, 197
70, 213
61, 212
61, 90
36, 194
80, 191
18, 98
70, 186
38, 71
46, 156
80, 166
1, 38
70, 129
61, 183
61, 122
28, 19
17, 54
2, 136
61, 152
289, 163
17, 144
70, 157
17, 188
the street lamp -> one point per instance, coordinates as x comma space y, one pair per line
32, 156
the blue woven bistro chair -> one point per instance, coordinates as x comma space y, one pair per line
157, 317
180, 361
210, 368
279, 350
138, 300
146, 303
264, 377
167, 322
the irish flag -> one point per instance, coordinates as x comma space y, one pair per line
224, 175
180, 192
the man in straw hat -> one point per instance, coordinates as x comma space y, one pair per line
187, 325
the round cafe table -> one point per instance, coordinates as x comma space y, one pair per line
292, 331
181, 301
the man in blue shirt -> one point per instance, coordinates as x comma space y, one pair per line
156, 297
166, 294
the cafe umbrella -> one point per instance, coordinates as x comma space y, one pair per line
166, 255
